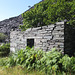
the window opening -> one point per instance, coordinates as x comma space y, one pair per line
30, 42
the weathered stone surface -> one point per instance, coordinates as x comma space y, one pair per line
51, 26
49, 29
43, 32
59, 23
48, 37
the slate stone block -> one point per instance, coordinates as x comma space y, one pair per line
48, 37
51, 26
59, 23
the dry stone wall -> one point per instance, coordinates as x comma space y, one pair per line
45, 37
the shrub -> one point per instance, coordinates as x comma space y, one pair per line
68, 63
2, 37
3, 61
50, 62
49, 11
4, 49
36, 59
72, 65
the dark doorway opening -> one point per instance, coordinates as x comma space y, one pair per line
30, 43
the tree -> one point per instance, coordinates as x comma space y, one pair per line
49, 11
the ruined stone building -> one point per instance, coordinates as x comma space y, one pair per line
59, 35
45, 37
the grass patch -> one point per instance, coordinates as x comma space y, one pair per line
18, 70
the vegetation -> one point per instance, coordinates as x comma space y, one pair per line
4, 49
52, 62
27, 60
18, 70
2, 37
49, 11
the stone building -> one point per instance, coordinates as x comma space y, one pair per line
45, 37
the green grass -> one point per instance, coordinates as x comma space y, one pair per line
18, 70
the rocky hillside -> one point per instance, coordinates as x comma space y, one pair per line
11, 23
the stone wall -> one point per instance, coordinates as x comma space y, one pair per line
45, 37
